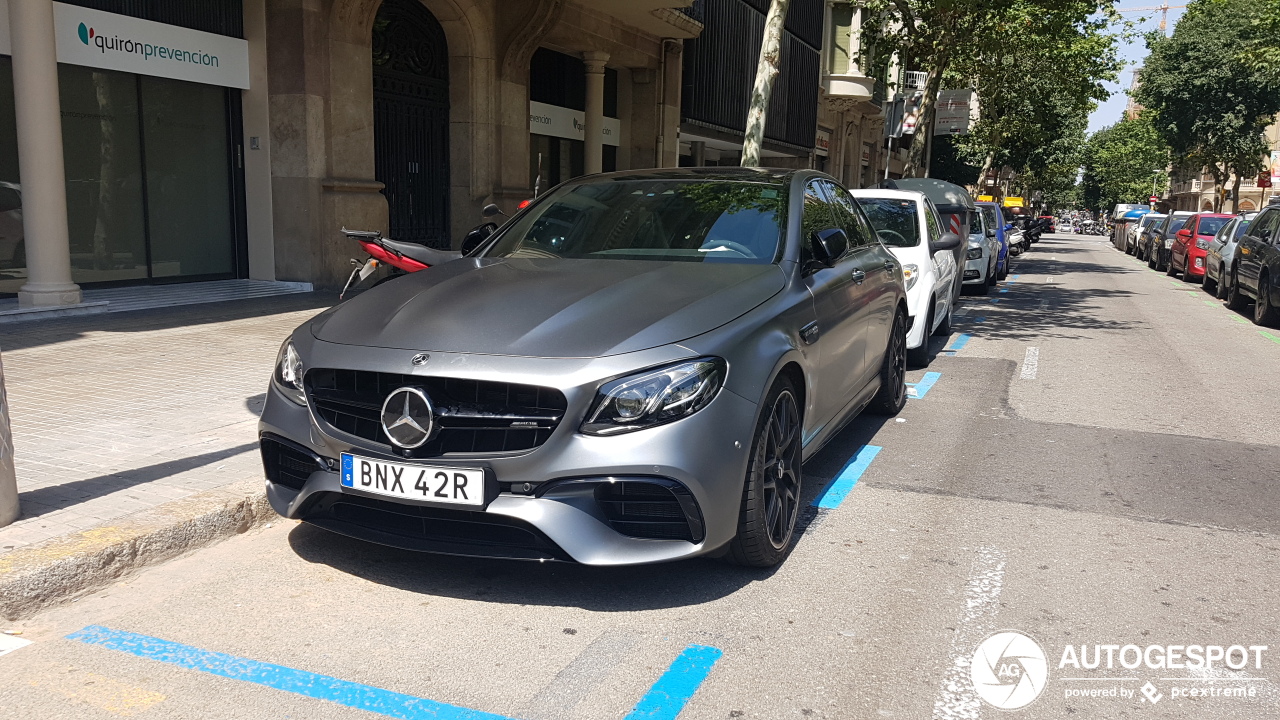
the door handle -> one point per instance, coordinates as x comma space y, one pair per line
859, 276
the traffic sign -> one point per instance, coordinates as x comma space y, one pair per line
1153, 198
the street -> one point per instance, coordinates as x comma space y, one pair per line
1089, 459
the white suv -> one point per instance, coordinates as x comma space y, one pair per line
908, 224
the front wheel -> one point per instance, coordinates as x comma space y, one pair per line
771, 496
892, 396
1264, 313
1207, 283
1236, 299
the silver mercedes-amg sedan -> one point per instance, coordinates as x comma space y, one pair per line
631, 370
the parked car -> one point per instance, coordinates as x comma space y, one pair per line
981, 256
1255, 270
1160, 241
643, 390
1138, 235
908, 224
1221, 253
1124, 225
1190, 243
994, 218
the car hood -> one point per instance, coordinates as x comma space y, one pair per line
550, 307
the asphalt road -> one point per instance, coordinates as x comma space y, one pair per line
1095, 464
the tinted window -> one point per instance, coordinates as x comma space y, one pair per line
846, 215
1241, 227
1211, 225
1265, 227
818, 215
932, 221
687, 221
989, 213
1175, 224
894, 220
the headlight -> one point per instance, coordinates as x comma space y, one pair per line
288, 374
1202, 244
974, 253
655, 397
1168, 243
910, 274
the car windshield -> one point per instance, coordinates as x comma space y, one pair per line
894, 220
1211, 225
1176, 222
673, 220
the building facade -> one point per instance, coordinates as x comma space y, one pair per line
150, 142
1197, 191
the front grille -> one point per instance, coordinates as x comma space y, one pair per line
659, 510
286, 464
412, 527
474, 416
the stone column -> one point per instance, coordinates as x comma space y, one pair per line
44, 185
593, 129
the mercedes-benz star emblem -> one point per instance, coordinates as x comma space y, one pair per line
420, 359
407, 417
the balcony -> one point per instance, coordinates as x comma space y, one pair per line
850, 92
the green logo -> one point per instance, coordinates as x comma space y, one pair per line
84, 34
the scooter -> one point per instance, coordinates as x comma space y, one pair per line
407, 257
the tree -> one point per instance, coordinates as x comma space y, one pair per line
1123, 163
1208, 100
766, 73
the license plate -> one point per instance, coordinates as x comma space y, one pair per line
456, 486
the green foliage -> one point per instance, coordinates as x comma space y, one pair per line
1262, 49
1120, 162
1208, 100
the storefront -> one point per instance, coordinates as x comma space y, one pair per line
151, 141
557, 119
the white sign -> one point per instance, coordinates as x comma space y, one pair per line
563, 122
953, 112
117, 42
822, 143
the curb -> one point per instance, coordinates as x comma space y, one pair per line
51, 572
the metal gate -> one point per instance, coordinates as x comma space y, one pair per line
411, 121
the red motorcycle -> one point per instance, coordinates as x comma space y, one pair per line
408, 257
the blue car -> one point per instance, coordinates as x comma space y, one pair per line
994, 217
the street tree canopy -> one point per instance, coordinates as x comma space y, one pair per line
1123, 163
1208, 100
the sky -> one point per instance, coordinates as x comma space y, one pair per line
1110, 112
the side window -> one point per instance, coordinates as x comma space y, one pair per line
847, 216
817, 216
931, 220
1264, 228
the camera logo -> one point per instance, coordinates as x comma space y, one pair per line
1009, 670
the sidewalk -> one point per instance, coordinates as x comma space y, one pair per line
116, 415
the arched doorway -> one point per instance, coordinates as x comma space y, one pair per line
411, 121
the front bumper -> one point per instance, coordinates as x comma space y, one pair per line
975, 270
1196, 259
542, 503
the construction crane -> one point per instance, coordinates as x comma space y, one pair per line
1164, 12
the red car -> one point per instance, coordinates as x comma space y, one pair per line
1053, 224
1191, 243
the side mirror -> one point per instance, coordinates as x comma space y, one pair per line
948, 241
828, 245
1184, 233
991, 232
1008, 227
490, 210
476, 237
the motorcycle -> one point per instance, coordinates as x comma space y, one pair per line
407, 257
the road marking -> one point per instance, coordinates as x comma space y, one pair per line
961, 340
664, 701
961, 311
572, 684
1269, 336
918, 390
671, 693
1237, 318
995, 300
9, 643
835, 492
1030, 363
1004, 290
980, 319
1211, 303
956, 699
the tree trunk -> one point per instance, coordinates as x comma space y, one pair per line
1235, 194
766, 73
928, 103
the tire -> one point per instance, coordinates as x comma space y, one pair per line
1264, 312
892, 396
1004, 271
1168, 269
1236, 299
991, 275
919, 357
944, 327
1209, 285
1187, 277
771, 491
1222, 288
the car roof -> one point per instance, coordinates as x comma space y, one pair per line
885, 193
1183, 213
740, 174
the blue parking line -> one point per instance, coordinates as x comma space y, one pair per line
836, 490
995, 300
668, 696
980, 319
918, 390
664, 701
961, 340
1004, 290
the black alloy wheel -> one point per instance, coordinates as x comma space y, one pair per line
1207, 283
1264, 313
892, 396
1236, 299
771, 496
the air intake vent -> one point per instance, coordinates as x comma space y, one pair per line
287, 464
651, 508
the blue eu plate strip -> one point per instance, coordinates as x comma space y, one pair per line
672, 692
918, 390
664, 700
836, 490
348, 475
